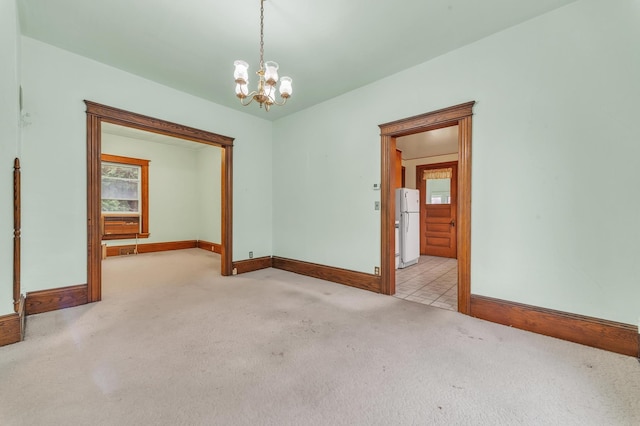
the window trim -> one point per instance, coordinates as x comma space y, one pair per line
144, 199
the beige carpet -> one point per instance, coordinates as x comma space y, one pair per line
173, 343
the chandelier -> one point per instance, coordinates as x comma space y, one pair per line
267, 78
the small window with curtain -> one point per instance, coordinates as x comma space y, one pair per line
438, 187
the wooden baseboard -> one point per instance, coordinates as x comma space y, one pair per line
150, 247
22, 314
598, 333
206, 245
57, 298
10, 330
329, 273
248, 265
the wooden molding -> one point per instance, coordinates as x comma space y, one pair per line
94, 207
16, 234
96, 114
10, 330
598, 333
337, 275
206, 245
124, 160
226, 179
464, 213
22, 314
155, 125
57, 298
150, 247
248, 265
387, 216
124, 236
459, 115
143, 222
444, 117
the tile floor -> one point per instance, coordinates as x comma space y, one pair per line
432, 281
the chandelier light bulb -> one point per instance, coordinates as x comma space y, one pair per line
271, 72
242, 90
285, 87
241, 73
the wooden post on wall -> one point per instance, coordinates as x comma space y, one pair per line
94, 233
16, 234
226, 266
387, 227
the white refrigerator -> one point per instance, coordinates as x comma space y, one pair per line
408, 220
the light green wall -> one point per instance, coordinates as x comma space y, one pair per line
554, 138
326, 161
9, 141
55, 84
208, 161
555, 106
173, 187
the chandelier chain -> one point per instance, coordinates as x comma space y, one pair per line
261, 34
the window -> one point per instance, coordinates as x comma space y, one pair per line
120, 188
438, 187
125, 197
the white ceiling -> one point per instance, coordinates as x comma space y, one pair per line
429, 144
328, 47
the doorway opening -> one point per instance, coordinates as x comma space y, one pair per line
431, 158
98, 114
460, 116
177, 180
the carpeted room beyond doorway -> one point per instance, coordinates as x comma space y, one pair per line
173, 342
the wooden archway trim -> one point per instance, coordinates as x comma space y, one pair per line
96, 114
459, 115
16, 234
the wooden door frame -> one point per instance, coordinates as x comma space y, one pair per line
421, 187
459, 115
96, 114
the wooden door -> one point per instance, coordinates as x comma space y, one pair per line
438, 208
399, 175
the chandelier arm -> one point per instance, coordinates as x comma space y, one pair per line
284, 101
250, 96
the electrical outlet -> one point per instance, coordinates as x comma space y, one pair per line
376, 270
376, 205
127, 250
250, 255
